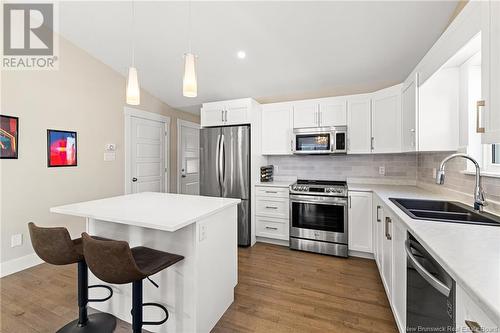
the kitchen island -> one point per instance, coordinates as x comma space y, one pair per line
197, 290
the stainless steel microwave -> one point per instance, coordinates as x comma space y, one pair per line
320, 140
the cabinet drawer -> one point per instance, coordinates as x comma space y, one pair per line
272, 228
468, 310
273, 207
270, 191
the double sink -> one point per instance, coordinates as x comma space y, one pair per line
444, 211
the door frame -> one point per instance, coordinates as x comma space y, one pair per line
138, 113
180, 123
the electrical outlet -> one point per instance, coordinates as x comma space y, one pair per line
381, 170
16, 240
434, 173
203, 232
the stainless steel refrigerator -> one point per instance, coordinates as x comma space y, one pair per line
225, 170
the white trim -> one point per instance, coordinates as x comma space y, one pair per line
181, 123
488, 174
19, 264
138, 113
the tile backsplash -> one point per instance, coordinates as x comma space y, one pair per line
455, 179
339, 167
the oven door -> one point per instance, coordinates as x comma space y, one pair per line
313, 141
318, 218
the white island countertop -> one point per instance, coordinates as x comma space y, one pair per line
469, 253
161, 211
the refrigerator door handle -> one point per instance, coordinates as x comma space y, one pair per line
217, 160
222, 162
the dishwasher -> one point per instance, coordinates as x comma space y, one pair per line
430, 290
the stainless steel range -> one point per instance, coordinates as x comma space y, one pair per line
318, 217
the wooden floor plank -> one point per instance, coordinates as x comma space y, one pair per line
279, 290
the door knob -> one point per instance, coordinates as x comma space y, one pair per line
134, 179
183, 173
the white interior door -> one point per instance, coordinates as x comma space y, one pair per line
188, 137
147, 149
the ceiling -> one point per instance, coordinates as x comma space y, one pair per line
294, 49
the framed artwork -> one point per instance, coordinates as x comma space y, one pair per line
9, 133
61, 148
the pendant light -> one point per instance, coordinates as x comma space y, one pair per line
189, 84
133, 91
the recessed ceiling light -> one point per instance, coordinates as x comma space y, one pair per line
241, 54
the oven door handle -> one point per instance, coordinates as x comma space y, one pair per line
435, 283
342, 202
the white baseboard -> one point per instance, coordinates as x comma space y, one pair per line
360, 254
19, 264
273, 241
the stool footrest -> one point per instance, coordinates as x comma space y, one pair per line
101, 299
156, 322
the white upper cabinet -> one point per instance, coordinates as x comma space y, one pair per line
333, 112
233, 112
277, 129
489, 119
306, 114
359, 125
360, 221
386, 120
409, 114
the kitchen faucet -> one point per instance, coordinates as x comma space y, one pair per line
479, 201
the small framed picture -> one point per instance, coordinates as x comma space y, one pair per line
61, 148
9, 134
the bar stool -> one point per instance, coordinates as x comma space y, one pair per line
115, 262
55, 246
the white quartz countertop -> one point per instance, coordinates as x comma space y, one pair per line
469, 253
162, 211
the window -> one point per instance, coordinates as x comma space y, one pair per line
495, 154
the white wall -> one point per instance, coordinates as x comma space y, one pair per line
88, 97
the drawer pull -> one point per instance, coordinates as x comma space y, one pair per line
271, 228
274, 192
473, 326
271, 207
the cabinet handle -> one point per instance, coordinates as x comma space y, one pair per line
479, 106
387, 234
319, 118
271, 207
378, 216
473, 326
222, 116
271, 228
372, 143
271, 192
291, 145
350, 202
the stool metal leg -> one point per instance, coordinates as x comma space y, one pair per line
94, 323
137, 306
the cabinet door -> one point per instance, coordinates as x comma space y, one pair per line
490, 68
237, 113
378, 233
305, 114
387, 252
409, 115
212, 116
277, 129
333, 112
360, 221
399, 269
386, 121
358, 126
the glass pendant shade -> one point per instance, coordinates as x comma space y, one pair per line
189, 85
133, 90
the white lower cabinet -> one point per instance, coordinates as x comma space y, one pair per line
378, 216
386, 273
360, 221
469, 315
272, 207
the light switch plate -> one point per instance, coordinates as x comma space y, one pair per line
16, 240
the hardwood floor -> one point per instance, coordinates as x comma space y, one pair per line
279, 290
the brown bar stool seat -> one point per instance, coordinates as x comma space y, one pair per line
55, 246
115, 262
